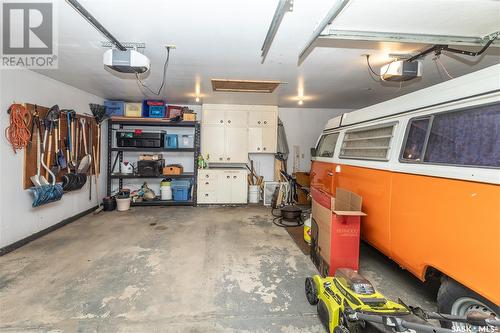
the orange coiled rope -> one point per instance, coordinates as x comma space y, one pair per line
18, 132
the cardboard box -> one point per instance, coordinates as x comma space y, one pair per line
172, 170
336, 244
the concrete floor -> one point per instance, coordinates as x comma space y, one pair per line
182, 269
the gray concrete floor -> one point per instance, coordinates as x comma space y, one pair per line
176, 269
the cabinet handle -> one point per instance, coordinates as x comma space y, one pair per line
330, 174
206, 176
229, 121
234, 177
258, 122
206, 194
258, 148
206, 183
265, 122
220, 159
228, 158
228, 177
264, 148
221, 121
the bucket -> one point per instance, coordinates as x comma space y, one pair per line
254, 194
166, 192
122, 204
307, 229
109, 204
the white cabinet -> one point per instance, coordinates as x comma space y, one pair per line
222, 186
230, 132
262, 131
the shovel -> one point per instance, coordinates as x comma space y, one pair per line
61, 160
38, 179
86, 160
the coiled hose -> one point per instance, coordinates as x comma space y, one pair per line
18, 133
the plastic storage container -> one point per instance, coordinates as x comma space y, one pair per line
186, 141
153, 109
171, 141
133, 110
114, 108
181, 189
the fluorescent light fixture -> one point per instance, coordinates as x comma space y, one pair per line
328, 19
283, 7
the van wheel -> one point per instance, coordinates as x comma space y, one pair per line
455, 299
311, 292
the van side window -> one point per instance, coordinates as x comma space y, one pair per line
415, 139
326, 145
369, 143
466, 137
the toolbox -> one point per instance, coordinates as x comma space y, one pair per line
150, 168
139, 139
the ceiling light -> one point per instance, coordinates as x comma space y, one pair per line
283, 7
197, 99
300, 102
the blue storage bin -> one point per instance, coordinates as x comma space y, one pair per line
151, 109
181, 189
171, 141
114, 108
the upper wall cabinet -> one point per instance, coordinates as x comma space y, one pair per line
230, 132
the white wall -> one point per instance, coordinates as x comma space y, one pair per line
303, 127
17, 218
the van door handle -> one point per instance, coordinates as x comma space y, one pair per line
330, 173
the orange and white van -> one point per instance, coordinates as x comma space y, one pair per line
427, 165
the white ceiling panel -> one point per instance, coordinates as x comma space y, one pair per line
222, 39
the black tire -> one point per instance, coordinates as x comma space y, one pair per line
451, 292
311, 291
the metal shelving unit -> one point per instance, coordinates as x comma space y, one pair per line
119, 122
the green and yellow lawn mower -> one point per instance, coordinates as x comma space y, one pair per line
346, 301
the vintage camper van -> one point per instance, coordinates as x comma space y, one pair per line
427, 165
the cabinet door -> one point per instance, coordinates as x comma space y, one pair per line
224, 188
236, 145
239, 191
269, 138
255, 140
206, 197
255, 118
268, 119
212, 143
214, 117
236, 118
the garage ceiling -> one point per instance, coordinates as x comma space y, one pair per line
222, 39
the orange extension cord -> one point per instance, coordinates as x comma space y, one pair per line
18, 132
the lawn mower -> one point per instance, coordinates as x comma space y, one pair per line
346, 301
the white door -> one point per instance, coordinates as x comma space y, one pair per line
269, 139
213, 117
212, 143
254, 118
224, 188
236, 145
239, 187
255, 140
268, 119
236, 118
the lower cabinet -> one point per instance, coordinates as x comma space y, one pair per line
222, 186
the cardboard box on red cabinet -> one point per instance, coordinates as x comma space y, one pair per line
337, 221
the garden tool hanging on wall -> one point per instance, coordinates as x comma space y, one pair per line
45, 194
